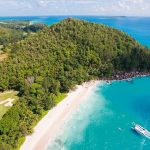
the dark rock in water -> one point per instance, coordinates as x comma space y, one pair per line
127, 75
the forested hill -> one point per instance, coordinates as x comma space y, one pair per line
14, 31
53, 61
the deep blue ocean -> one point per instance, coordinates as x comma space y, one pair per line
104, 120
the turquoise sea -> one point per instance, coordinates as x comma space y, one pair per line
104, 120
137, 27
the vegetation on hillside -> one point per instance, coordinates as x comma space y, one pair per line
14, 31
53, 61
10, 36
22, 25
14, 24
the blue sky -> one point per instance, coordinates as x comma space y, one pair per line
74, 7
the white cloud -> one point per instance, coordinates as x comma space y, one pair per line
137, 1
135, 6
42, 3
75, 7
123, 5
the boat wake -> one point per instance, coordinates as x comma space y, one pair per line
142, 144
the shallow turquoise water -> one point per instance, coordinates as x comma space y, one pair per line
104, 121
137, 27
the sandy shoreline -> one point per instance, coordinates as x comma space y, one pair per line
51, 124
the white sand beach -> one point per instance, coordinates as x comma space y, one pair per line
51, 124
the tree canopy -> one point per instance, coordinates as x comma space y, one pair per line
14, 31
54, 60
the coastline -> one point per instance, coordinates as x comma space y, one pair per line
48, 128
120, 75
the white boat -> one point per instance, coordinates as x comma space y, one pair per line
139, 129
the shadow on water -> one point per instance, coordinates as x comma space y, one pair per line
141, 106
136, 134
144, 140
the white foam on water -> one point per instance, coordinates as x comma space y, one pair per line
142, 144
79, 119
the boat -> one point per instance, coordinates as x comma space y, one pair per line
139, 129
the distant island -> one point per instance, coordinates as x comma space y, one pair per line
46, 65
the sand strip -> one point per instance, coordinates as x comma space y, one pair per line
51, 124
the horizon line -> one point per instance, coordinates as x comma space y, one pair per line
75, 15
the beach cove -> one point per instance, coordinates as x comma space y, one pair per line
105, 121
52, 123
97, 115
